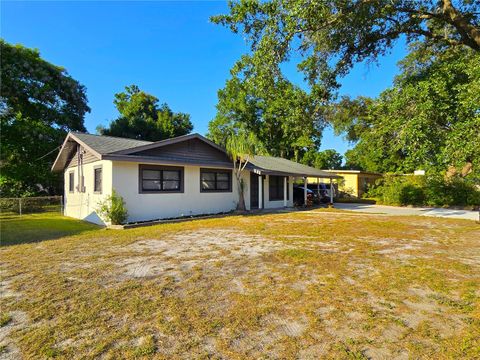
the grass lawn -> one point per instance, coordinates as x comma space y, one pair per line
309, 285
17, 229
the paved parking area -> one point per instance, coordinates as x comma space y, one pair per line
421, 211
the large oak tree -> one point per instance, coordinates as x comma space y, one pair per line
429, 118
331, 36
325, 39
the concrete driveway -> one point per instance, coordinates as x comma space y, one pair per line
421, 211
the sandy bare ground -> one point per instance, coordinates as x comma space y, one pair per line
276, 286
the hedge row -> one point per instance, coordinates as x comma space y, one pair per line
425, 190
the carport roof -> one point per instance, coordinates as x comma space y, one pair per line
269, 165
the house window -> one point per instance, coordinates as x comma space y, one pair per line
97, 180
215, 180
275, 188
71, 181
156, 179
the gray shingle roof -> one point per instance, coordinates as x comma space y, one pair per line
279, 166
108, 144
113, 147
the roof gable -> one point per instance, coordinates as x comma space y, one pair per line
191, 150
167, 142
97, 146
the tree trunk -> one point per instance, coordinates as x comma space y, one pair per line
241, 196
469, 33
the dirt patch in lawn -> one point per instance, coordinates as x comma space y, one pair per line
9, 350
291, 286
179, 253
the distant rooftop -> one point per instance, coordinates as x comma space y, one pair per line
352, 172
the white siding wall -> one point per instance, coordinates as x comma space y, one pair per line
123, 177
277, 204
142, 207
83, 205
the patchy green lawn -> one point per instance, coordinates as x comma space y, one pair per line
317, 284
15, 229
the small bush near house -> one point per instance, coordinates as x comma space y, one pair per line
424, 190
113, 209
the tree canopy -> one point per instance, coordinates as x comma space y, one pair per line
141, 117
40, 102
331, 36
326, 159
428, 119
284, 117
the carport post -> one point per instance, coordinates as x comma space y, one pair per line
260, 192
285, 191
331, 191
305, 191
318, 188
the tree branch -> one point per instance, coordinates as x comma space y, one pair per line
469, 33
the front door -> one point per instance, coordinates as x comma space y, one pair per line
253, 191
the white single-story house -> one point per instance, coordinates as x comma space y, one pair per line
183, 176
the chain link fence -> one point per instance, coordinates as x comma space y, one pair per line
31, 205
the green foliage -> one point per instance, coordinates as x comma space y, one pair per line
436, 94
113, 209
429, 190
241, 146
429, 119
456, 191
39, 104
27, 205
399, 192
331, 36
142, 118
283, 117
326, 159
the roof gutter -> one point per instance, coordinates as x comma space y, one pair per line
154, 160
261, 171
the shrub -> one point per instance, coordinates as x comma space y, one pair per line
113, 209
431, 190
398, 190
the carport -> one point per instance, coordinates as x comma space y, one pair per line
269, 165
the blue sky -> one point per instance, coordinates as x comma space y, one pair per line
169, 49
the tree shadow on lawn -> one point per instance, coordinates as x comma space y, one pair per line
31, 228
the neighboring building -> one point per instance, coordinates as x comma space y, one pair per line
183, 176
354, 183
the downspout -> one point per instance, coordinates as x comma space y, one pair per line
80, 177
